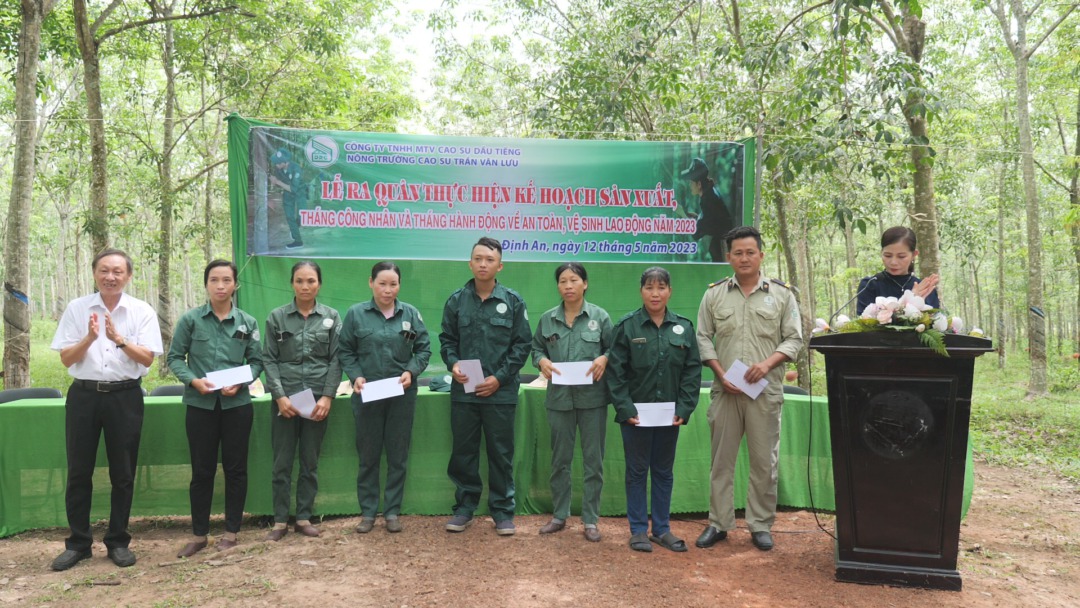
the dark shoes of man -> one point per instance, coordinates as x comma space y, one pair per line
710, 537
393, 525
366, 525
552, 526
69, 558
277, 534
458, 523
592, 535
761, 540
122, 557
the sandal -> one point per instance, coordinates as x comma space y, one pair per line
670, 542
640, 542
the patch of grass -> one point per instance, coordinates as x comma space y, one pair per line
1012, 430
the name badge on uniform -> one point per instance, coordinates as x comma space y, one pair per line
501, 308
678, 330
328, 323
638, 341
593, 325
770, 301
406, 326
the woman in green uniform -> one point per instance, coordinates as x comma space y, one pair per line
214, 337
300, 352
383, 338
654, 359
571, 332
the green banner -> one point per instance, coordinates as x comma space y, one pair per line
332, 194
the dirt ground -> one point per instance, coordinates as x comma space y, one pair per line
1020, 546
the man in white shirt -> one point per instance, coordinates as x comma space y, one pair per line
107, 340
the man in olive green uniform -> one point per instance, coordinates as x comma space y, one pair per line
573, 407
285, 174
484, 320
299, 353
756, 321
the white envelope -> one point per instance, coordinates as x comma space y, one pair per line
382, 389
229, 377
304, 402
573, 373
474, 371
735, 375
656, 414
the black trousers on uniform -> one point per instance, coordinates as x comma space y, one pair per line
207, 431
86, 414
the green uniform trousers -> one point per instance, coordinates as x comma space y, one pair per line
592, 424
286, 435
496, 422
381, 425
730, 417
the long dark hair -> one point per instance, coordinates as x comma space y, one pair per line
898, 234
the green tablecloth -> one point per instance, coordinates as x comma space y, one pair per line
33, 464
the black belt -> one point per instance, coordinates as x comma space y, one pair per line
102, 386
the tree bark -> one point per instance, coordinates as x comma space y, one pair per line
802, 363
17, 229
1074, 202
164, 295
97, 224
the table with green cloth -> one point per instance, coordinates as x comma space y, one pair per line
33, 466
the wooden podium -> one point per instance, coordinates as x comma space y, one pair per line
898, 418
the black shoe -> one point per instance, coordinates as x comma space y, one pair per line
69, 558
122, 557
295, 245
710, 537
761, 540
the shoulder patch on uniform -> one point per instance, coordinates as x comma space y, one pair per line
720, 282
780, 283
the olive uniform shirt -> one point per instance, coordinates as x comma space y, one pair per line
373, 347
495, 331
203, 344
749, 328
301, 353
589, 338
650, 364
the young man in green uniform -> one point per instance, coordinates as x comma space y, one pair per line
755, 320
286, 175
484, 320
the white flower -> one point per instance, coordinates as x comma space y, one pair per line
976, 332
870, 312
842, 320
921, 327
912, 312
819, 326
941, 322
957, 325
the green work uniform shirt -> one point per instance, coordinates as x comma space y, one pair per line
290, 175
751, 328
373, 347
650, 364
301, 353
495, 331
201, 343
556, 341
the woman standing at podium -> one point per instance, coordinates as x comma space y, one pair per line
575, 331
898, 252
654, 360
216, 336
383, 338
300, 353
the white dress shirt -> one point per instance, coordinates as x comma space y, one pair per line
134, 319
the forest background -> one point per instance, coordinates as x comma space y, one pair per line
958, 118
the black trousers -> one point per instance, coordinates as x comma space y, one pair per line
86, 414
208, 431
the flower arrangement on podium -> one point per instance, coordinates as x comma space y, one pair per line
909, 312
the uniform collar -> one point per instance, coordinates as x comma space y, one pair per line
291, 308
642, 316
560, 311
499, 292
762, 283
371, 305
208, 310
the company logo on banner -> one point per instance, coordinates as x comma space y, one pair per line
321, 151
388, 196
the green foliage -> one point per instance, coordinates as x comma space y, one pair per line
934, 340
